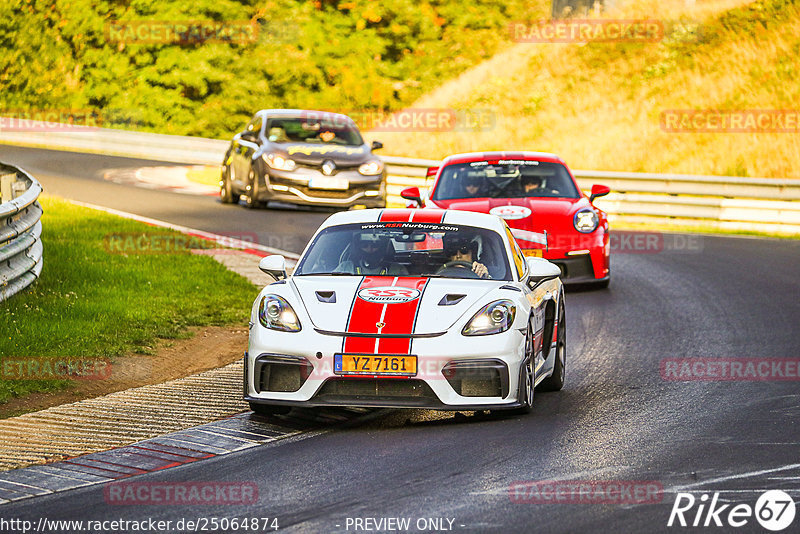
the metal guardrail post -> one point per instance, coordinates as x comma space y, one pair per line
21, 250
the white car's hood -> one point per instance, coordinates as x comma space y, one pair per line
404, 305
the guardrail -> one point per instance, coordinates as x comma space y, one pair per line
21, 251
725, 202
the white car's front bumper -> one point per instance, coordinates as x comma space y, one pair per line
478, 364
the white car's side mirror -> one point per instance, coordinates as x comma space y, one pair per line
274, 265
540, 270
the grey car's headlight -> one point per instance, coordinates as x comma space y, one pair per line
276, 161
586, 221
277, 314
371, 168
493, 318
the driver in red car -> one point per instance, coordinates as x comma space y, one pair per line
463, 253
532, 185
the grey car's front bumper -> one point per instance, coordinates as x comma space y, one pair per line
294, 188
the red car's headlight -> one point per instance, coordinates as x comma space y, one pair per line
586, 221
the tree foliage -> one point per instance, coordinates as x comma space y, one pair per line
332, 55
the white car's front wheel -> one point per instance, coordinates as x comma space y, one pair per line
527, 378
556, 381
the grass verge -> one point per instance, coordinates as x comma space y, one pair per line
93, 302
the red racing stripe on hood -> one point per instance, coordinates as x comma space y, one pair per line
428, 216
366, 317
412, 215
397, 215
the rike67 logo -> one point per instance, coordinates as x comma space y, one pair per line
774, 510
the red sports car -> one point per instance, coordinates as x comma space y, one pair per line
540, 200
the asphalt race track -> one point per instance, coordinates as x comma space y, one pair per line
80, 177
620, 419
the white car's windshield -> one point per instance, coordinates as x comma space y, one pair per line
407, 249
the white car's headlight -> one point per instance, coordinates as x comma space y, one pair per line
276, 161
493, 318
277, 314
586, 221
371, 168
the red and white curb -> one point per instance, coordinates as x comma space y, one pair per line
167, 178
236, 433
222, 240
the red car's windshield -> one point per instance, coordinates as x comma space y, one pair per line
505, 179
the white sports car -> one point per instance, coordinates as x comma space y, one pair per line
407, 309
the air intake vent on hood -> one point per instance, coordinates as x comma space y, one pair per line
511, 288
450, 299
326, 296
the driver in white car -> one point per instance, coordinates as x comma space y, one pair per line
463, 252
370, 254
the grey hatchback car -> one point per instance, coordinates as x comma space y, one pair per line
303, 157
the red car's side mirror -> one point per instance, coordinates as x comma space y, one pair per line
413, 194
599, 191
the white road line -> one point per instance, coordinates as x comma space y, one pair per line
26, 486
732, 477
223, 240
226, 436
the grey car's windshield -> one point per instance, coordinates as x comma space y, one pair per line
312, 130
407, 249
505, 179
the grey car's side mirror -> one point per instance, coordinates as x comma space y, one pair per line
540, 270
274, 265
